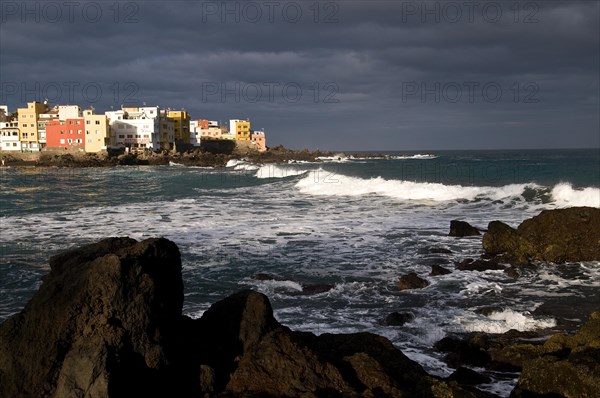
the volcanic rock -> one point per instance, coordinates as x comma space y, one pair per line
100, 323
439, 270
567, 366
468, 376
397, 319
106, 322
462, 228
557, 236
478, 265
412, 281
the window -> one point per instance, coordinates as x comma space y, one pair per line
121, 136
79, 132
79, 122
62, 140
24, 125
89, 140
88, 122
14, 144
87, 132
32, 125
97, 121
129, 135
70, 122
70, 141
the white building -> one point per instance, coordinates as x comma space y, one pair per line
9, 136
69, 112
195, 133
140, 128
232, 122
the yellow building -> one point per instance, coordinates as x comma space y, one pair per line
181, 125
28, 125
97, 132
241, 129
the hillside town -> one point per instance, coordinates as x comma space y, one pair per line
40, 127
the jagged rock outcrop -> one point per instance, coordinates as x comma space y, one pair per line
99, 325
462, 228
107, 322
557, 236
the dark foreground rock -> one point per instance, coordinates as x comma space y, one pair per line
462, 228
107, 322
102, 323
557, 236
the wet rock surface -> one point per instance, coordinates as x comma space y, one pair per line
462, 228
412, 281
556, 236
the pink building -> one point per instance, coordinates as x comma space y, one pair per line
259, 138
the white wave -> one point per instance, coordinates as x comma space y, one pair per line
501, 322
417, 156
246, 166
564, 196
171, 163
320, 182
234, 162
241, 164
338, 157
277, 171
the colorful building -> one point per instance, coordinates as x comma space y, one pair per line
241, 129
97, 132
43, 120
181, 125
259, 139
66, 134
28, 125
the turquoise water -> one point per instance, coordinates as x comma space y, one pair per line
357, 224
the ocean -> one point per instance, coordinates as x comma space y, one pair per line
350, 223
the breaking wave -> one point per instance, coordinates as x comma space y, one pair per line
320, 182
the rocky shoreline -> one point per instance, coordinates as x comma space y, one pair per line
107, 321
215, 157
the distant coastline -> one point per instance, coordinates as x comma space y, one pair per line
213, 157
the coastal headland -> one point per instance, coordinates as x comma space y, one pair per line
107, 321
213, 154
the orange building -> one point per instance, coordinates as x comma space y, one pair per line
69, 133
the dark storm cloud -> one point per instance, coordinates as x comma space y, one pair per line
372, 74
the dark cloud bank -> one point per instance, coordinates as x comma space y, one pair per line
349, 75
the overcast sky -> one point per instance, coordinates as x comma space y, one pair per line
339, 75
